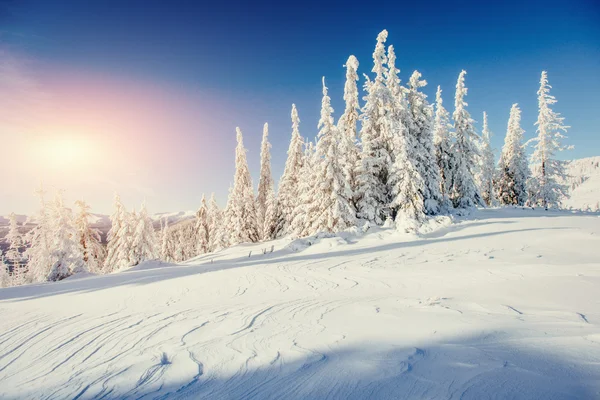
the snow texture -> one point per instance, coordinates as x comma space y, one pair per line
500, 304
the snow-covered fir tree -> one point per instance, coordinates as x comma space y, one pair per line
306, 209
442, 141
465, 193
408, 186
66, 254
144, 243
421, 129
548, 172
348, 125
287, 195
334, 194
202, 228
13, 255
115, 242
6, 279
487, 167
88, 238
265, 196
242, 211
373, 188
270, 221
39, 252
166, 253
217, 228
513, 169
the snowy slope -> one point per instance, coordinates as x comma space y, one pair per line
502, 305
584, 183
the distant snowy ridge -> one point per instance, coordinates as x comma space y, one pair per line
584, 183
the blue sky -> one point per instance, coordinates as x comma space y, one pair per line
244, 64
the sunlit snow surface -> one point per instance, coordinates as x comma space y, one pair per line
502, 304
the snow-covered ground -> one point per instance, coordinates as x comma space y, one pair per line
504, 304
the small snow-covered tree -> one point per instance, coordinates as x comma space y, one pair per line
125, 252
217, 228
166, 253
348, 124
66, 254
334, 194
306, 212
40, 241
376, 134
424, 151
487, 168
548, 173
287, 195
442, 142
143, 244
465, 193
14, 239
514, 172
265, 196
88, 238
242, 210
5, 278
408, 185
270, 220
202, 228
114, 241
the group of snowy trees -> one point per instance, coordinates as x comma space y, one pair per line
406, 161
63, 243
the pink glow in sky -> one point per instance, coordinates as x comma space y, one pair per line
93, 135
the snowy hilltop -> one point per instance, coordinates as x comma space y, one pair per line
584, 184
500, 304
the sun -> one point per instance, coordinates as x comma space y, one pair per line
65, 152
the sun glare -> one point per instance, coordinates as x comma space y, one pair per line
65, 152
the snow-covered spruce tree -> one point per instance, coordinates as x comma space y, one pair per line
114, 241
373, 188
66, 254
465, 193
88, 239
144, 243
487, 169
334, 195
265, 188
442, 142
287, 195
166, 253
125, 252
242, 210
270, 220
306, 209
408, 185
548, 173
6, 279
40, 242
202, 228
217, 228
422, 130
513, 168
14, 239
347, 125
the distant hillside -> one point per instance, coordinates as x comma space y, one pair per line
584, 184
